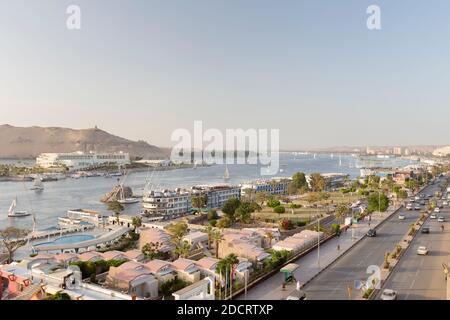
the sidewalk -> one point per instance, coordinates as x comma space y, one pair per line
271, 288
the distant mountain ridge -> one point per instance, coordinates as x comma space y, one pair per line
28, 142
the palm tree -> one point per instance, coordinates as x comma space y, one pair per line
210, 232
183, 249
117, 208
136, 222
341, 211
270, 236
218, 238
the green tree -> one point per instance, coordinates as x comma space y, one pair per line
183, 249
226, 265
136, 222
212, 215
117, 208
217, 237
377, 202
245, 210
317, 182
58, 296
223, 223
12, 239
272, 203
341, 211
269, 235
198, 202
178, 230
261, 197
229, 208
279, 209
298, 182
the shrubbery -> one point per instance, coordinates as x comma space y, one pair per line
279, 209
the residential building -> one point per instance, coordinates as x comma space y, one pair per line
217, 195
134, 279
166, 203
243, 243
201, 290
90, 256
298, 241
275, 186
80, 160
162, 270
196, 238
114, 255
186, 269
135, 255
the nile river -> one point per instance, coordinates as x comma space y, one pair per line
60, 196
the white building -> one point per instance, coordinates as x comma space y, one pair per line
442, 152
275, 186
217, 195
94, 217
166, 203
81, 160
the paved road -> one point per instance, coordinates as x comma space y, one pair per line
332, 283
270, 289
421, 277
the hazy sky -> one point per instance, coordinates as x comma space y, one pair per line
141, 69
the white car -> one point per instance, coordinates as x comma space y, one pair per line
389, 294
401, 217
441, 219
409, 206
417, 207
437, 210
445, 203
433, 216
422, 250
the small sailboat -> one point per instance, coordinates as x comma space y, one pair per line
340, 161
123, 200
226, 175
38, 185
12, 213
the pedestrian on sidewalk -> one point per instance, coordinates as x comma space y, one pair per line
338, 247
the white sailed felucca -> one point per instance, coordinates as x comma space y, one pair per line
38, 185
12, 213
226, 175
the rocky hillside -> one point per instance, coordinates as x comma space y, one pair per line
19, 142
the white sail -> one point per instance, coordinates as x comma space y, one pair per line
38, 185
226, 175
12, 208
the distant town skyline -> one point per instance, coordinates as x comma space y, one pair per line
309, 68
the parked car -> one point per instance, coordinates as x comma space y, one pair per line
372, 233
432, 216
409, 206
441, 219
422, 250
401, 217
437, 210
417, 207
389, 294
425, 230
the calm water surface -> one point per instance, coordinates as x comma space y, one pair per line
60, 196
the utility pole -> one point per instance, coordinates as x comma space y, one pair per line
318, 242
